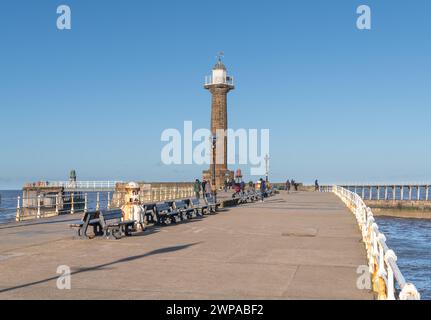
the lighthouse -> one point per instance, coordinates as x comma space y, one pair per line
219, 84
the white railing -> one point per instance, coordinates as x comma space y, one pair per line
81, 184
45, 206
227, 80
382, 261
394, 192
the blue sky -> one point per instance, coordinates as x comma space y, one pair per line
342, 105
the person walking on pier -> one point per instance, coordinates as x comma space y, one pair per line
316, 185
262, 189
237, 191
251, 185
208, 188
203, 187
288, 186
242, 185
294, 184
197, 189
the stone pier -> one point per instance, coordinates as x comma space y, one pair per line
299, 246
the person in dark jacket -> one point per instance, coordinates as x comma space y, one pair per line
288, 186
203, 184
262, 188
197, 189
242, 186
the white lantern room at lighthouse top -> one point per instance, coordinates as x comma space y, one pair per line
219, 76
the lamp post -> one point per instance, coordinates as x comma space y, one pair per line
267, 168
213, 176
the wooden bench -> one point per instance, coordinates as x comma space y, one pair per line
199, 208
271, 192
184, 210
149, 213
89, 219
113, 226
246, 197
165, 214
210, 201
259, 195
253, 195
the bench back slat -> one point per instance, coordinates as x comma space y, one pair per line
112, 215
149, 207
162, 207
180, 204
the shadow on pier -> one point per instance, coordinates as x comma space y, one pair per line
105, 265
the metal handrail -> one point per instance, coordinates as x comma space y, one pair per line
382, 261
36, 207
227, 80
78, 184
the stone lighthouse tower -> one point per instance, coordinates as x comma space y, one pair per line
219, 84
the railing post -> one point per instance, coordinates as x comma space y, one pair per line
38, 206
72, 203
394, 193
109, 201
381, 273
427, 193
18, 210
363, 193
386, 193
85, 203
56, 205
390, 254
402, 193
418, 196
98, 201
371, 193
378, 193
410, 193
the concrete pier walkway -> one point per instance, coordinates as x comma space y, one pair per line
298, 246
